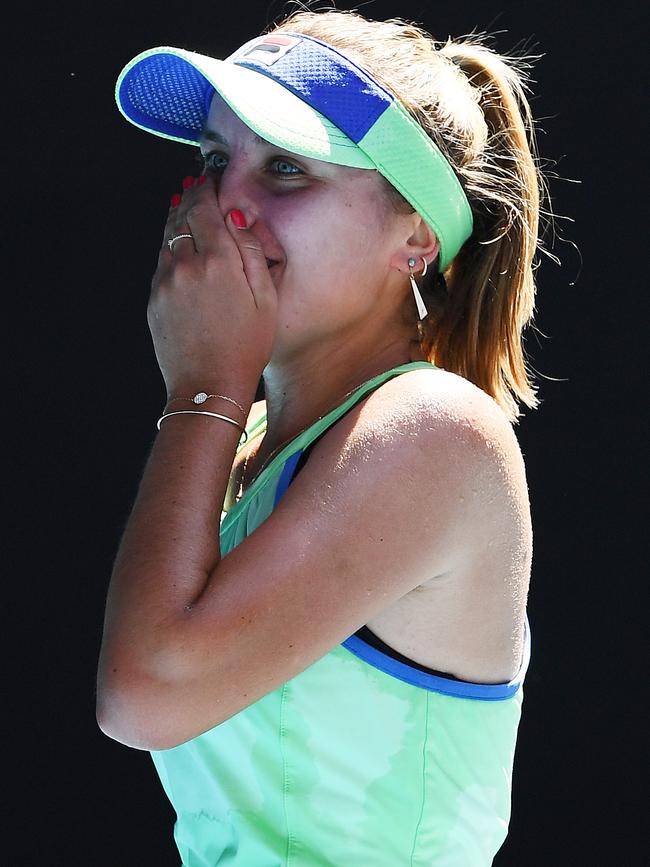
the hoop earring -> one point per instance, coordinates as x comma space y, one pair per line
422, 310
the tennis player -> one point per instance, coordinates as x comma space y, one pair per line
316, 621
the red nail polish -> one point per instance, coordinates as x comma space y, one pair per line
238, 218
202, 179
188, 182
175, 200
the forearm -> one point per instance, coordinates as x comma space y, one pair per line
170, 545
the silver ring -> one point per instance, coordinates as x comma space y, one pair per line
170, 243
425, 266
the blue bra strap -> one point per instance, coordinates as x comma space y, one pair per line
285, 476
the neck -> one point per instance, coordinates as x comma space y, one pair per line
301, 390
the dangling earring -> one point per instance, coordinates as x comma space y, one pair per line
422, 310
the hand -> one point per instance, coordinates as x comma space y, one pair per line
212, 311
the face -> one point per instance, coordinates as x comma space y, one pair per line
330, 230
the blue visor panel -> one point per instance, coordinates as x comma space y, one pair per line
321, 77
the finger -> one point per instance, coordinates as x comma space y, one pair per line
201, 213
175, 225
182, 243
175, 213
178, 240
253, 259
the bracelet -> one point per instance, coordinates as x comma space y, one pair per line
201, 397
196, 412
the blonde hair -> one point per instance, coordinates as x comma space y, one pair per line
471, 101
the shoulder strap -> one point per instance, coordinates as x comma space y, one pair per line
298, 460
304, 454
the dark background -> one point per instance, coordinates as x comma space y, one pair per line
86, 199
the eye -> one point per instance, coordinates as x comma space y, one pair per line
285, 168
217, 162
213, 161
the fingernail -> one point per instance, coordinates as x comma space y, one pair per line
188, 182
202, 179
238, 218
175, 200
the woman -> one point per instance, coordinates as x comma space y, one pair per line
336, 677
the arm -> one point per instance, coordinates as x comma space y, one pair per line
170, 545
383, 505
212, 315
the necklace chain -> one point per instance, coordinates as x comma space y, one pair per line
281, 446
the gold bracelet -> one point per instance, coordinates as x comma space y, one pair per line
201, 397
198, 412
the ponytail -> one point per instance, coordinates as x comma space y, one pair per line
476, 329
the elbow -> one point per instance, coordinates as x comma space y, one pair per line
119, 720
132, 716
143, 708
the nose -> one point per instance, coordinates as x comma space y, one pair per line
242, 185
235, 189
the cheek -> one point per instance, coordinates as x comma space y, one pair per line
337, 236
336, 249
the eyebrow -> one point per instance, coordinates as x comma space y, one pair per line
213, 136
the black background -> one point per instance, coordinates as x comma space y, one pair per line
86, 199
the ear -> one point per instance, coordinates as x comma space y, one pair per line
422, 243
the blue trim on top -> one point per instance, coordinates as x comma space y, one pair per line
329, 82
285, 476
455, 688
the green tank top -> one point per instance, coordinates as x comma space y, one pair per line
361, 760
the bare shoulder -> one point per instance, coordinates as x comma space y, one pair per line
456, 422
440, 436
443, 415
423, 419
440, 398
445, 410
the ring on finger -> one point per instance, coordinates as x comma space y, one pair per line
171, 241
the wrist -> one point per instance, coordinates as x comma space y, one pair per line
196, 412
231, 400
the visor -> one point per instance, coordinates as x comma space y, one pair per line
306, 97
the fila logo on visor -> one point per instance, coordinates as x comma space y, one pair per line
265, 49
